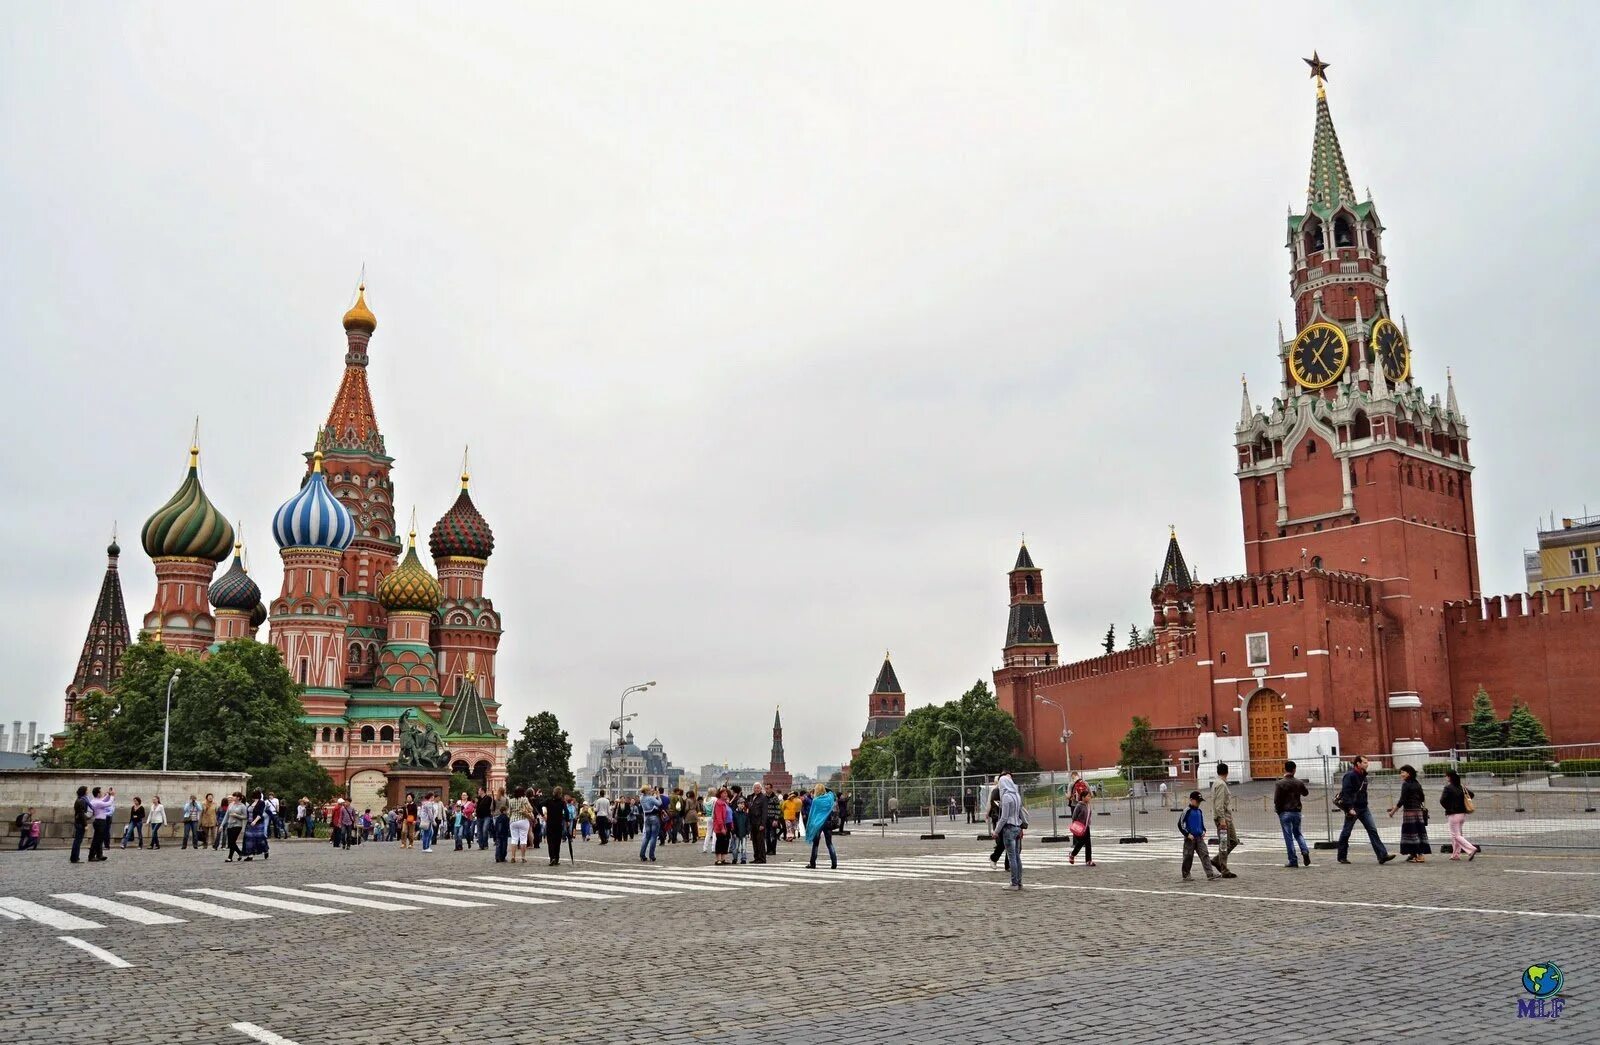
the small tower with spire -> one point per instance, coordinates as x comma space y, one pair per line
778, 775
1029, 642
886, 704
185, 538
1172, 600
466, 633
100, 663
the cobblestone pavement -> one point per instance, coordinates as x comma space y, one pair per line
910, 941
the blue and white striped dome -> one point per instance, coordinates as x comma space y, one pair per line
314, 518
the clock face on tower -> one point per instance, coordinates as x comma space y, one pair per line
1318, 356
1389, 345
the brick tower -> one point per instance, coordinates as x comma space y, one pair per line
466, 630
1030, 646
1353, 468
185, 539
1172, 600
308, 617
101, 660
357, 469
778, 776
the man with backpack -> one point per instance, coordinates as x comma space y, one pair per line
1192, 825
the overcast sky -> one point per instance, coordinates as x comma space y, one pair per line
771, 328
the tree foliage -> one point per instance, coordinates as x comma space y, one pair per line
1524, 730
924, 749
1110, 642
1484, 730
1140, 753
542, 756
293, 778
237, 708
462, 784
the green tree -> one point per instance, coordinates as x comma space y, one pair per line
541, 756
1140, 753
461, 784
1524, 730
924, 748
1134, 637
1110, 642
293, 778
237, 708
1484, 730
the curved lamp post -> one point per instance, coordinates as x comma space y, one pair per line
166, 729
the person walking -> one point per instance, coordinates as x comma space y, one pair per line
1456, 801
237, 816
651, 807
819, 826
429, 813
602, 817
894, 809
483, 809
1082, 836
522, 815
758, 822
135, 829
82, 821
555, 823
104, 808
691, 815
257, 823
501, 811
1286, 796
1222, 812
205, 823
191, 822
219, 830
31, 827
336, 824
1011, 823
1192, 825
722, 825
1353, 800
774, 826
991, 816
409, 814
1413, 807
791, 816
969, 801
158, 820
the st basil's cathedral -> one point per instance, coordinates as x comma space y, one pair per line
363, 626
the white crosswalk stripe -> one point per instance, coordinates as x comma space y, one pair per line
118, 910
269, 901
633, 889
646, 878
511, 885
706, 874
409, 897
351, 901
483, 892
190, 904
46, 915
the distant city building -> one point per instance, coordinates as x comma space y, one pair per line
713, 775
826, 773
1567, 558
634, 767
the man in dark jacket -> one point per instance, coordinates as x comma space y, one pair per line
1353, 800
555, 823
1286, 801
757, 808
483, 813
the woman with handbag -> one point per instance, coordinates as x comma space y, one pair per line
1078, 828
1413, 817
1456, 801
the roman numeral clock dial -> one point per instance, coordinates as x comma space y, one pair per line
1389, 345
1318, 356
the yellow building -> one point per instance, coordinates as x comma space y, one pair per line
1568, 557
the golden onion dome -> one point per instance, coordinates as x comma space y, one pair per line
410, 586
360, 317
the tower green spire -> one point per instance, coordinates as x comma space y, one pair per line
1329, 183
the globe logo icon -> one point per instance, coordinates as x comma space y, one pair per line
1542, 980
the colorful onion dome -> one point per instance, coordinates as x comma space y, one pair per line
461, 532
410, 586
258, 616
235, 590
314, 518
360, 317
188, 525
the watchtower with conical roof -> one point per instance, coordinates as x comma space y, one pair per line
101, 660
777, 775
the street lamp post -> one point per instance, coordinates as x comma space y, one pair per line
166, 729
622, 719
1055, 829
962, 757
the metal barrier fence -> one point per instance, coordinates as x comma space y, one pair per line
1534, 798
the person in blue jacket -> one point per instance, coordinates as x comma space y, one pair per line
1192, 825
819, 826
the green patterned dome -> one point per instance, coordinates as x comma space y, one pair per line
189, 525
410, 586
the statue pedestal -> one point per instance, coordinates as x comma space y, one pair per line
417, 782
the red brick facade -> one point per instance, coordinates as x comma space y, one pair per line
1363, 598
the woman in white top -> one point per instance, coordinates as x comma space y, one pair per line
158, 820
521, 825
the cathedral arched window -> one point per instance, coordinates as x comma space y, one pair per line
386, 734
1027, 585
327, 734
344, 580
367, 735
338, 735
1341, 232
1361, 427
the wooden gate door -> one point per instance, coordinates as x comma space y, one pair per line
1269, 744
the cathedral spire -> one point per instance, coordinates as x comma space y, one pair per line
1329, 184
1452, 405
1174, 570
101, 660
352, 423
1246, 414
